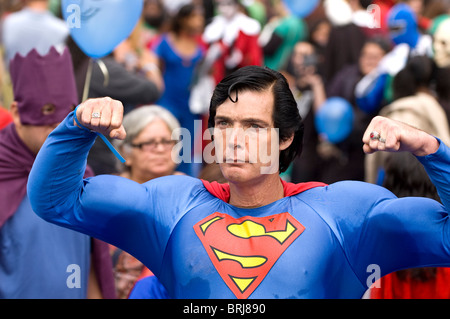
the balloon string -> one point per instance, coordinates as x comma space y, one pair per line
87, 84
105, 72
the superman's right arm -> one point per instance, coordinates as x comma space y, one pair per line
113, 209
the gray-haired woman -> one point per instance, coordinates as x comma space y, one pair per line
149, 145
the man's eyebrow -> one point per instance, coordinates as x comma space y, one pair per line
221, 118
244, 120
256, 121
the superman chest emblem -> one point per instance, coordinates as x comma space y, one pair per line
244, 250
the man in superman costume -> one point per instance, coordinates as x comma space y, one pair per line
256, 236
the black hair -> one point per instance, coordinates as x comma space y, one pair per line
442, 77
381, 41
365, 3
286, 116
405, 177
417, 73
184, 12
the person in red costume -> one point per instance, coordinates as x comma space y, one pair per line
232, 38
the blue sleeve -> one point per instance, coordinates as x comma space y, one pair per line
158, 46
148, 288
375, 227
370, 102
437, 166
129, 215
404, 233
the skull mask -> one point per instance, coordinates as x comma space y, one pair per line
441, 44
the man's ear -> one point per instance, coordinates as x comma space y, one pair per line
15, 113
286, 143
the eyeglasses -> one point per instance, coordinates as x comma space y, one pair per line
151, 145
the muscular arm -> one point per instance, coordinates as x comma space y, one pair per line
403, 233
110, 208
377, 228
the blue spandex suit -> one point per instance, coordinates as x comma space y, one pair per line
319, 241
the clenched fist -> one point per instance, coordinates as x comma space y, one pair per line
102, 115
384, 134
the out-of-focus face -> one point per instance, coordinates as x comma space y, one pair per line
303, 62
441, 44
33, 136
371, 55
194, 24
150, 156
322, 33
301, 50
227, 8
153, 13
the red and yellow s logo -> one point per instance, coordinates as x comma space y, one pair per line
244, 250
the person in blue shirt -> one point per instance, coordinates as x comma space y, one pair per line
180, 54
255, 236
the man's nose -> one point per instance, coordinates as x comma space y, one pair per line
235, 137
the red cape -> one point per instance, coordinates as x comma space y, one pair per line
222, 191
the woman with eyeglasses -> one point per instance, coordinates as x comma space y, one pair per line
148, 153
148, 145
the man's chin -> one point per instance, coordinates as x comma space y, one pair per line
246, 171
235, 169
240, 172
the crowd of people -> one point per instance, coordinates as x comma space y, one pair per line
385, 57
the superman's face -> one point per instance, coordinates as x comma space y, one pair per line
245, 139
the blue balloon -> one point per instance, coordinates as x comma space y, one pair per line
98, 26
334, 119
301, 8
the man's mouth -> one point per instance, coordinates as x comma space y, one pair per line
235, 161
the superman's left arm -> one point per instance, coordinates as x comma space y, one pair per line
437, 166
396, 233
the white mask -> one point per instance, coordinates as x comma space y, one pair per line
227, 8
441, 44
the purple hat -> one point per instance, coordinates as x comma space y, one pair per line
44, 86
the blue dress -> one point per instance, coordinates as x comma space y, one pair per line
178, 74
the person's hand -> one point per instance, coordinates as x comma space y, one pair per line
149, 63
385, 134
148, 57
102, 115
313, 79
